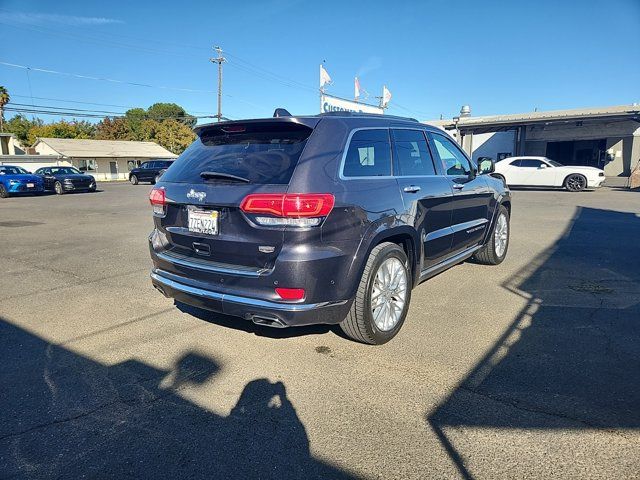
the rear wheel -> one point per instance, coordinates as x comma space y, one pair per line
382, 300
495, 250
57, 187
575, 182
133, 179
3, 192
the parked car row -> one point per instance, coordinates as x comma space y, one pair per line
16, 180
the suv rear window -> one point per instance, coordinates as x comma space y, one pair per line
263, 153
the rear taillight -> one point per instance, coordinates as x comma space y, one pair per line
290, 293
294, 209
158, 200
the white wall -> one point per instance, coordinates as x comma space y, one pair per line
490, 144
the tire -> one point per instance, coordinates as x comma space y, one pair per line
57, 187
575, 182
490, 254
93, 187
133, 179
3, 192
360, 324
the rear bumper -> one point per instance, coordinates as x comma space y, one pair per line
260, 311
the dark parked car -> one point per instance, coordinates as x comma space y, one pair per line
149, 171
66, 179
16, 180
332, 218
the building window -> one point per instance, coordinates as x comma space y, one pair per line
131, 164
88, 165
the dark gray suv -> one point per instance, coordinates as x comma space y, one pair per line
332, 218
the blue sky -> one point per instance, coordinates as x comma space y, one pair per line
498, 57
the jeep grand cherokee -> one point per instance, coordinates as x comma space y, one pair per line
330, 218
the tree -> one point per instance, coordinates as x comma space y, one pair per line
170, 111
20, 126
62, 129
171, 134
114, 129
4, 99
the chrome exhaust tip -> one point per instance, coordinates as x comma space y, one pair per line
268, 321
161, 290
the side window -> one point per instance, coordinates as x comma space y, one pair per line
531, 163
453, 160
145, 165
369, 154
515, 163
411, 153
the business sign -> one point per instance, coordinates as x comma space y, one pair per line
335, 104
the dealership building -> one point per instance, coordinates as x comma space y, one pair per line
607, 137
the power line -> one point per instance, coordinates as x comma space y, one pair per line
104, 79
52, 110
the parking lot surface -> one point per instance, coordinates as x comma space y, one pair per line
530, 369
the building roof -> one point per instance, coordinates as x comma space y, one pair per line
79, 148
618, 111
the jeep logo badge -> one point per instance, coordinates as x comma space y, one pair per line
198, 195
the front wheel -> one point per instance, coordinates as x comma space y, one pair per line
58, 188
382, 300
495, 250
575, 182
3, 192
133, 179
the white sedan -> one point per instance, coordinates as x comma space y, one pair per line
543, 172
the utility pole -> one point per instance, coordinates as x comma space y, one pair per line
219, 60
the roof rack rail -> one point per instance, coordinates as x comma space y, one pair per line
364, 114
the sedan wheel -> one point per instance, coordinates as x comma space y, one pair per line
3, 192
58, 188
575, 183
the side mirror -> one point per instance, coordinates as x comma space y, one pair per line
486, 165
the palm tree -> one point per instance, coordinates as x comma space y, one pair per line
4, 99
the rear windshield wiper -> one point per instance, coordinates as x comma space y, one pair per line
227, 176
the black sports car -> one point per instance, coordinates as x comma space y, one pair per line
66, 179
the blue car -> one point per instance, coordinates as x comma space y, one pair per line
17, 180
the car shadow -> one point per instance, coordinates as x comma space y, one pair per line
64, 415
570, 360
248, 326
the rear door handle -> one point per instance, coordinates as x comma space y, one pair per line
411, 189
458, 186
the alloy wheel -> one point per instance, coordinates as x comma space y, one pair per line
389, 294
501, 235
576, 183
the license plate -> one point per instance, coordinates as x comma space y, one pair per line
203, 221
30, 185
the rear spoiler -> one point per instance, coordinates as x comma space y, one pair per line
310, 122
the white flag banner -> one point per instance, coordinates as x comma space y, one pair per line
325, 79
386, 96
356, 87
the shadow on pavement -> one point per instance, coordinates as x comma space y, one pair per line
571, 358
63, 415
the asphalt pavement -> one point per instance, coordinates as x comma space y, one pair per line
530, 369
